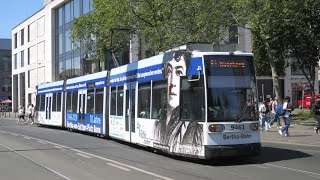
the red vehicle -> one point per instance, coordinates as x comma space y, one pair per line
307, 101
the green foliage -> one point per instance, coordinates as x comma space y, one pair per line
304, 115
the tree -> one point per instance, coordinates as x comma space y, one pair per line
303, 38
267, 28
163, 23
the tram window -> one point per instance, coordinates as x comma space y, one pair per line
192, 100
99, 101
113, 101
90, 101
58, 101
69, 100
159, 99
120, 96
42, 102
144, 100
38, 102
74, 101
54, 102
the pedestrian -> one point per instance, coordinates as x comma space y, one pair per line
274, 116
21, 115
263, 116
30, 113
286, 107
316, 110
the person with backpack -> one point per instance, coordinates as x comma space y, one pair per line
263, 116
316, 110
286, 116
274, 116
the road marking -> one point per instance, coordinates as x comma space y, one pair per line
317, 175
290, 143
310, 150
106, 159
83, 155
122, 168
14, 134
26, 137
59, 147
42, 142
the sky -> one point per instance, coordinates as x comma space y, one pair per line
13, 12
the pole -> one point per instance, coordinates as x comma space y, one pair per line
302, 99
262, 89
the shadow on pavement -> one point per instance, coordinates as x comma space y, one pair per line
268, 155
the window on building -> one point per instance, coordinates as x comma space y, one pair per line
6, 85
28, 36
67, 13
22, 37
29, 77
22, 59
15, 38
76, 6
233, 35
60, 17
15, 61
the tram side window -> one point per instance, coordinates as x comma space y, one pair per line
192, 100
99, 101
54, 102
74, 101
90, 101
120, 96
59, 101
38, 103
42, 102
69, 100
159, 99
113, 101
144, 100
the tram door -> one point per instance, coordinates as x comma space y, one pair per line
130, 110
82, 102
48, 106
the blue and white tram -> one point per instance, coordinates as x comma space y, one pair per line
86, 103
187, 103
49, 104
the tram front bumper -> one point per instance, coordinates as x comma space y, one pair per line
216, 151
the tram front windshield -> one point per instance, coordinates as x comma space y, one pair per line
231, 89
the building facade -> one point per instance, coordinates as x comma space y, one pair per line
5, 69
42, 50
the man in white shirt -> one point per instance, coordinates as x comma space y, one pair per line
286, 117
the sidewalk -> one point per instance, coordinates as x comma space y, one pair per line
301, 133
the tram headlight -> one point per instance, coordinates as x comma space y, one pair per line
254, 126
216, 127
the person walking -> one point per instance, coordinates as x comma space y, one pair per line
316, 110
30, 113
263, 116
21, 115
286, 107
274, 116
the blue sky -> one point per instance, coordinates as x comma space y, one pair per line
13, 12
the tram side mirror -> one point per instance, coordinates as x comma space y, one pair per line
197, 78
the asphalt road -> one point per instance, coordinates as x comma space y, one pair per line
33, 152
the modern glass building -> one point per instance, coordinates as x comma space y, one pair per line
5, 69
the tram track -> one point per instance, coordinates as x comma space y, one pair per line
55, 173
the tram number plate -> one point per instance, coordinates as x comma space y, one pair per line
239, 127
